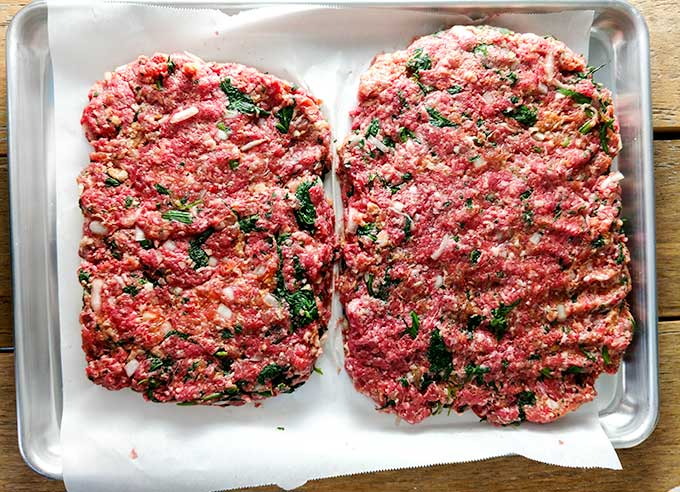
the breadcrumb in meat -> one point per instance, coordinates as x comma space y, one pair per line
485, 264
207, 240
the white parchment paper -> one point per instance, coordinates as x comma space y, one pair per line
115, 441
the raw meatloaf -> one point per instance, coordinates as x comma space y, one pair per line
484, 257
207, 240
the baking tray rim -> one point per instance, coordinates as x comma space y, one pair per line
39, 7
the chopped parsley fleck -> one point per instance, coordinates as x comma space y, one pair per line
83, 276
408, 233
412, 330
499, 323
221, 126
171, 66
598, 242
468, 203
384, 291
405, 134
546, 372
438, 120
285, 115
523, 114
226, 333
481, 49
474, 256
128, 201
196, 253
239, 101
525, 398
514, 99
233, 164
247, 223
603, 135
270, 372
305, 215
476, 372
111, 182
526, 194
369, 230
161, 189
159, 82
621, 256
178, 216
473, 322
454, 89
155, 364
528, 216
512, 78
576, 96
146, 244
575, 370
403, 381
318, 370
280, 428
419, 61
176, 333
439, 356
605, 355
373, 128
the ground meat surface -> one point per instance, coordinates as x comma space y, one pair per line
484, 261
207, 241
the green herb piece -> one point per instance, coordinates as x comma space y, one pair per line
512, 78
113, 248
576, 96
481, 49
233, 164
558, 211
221, 126
212, 396
368, 230
280, 428
474, 256
473, 322
83, 276
128, 201
405, 134
196, 253
270, 372
412, 330
514, 99
146, 244
441, 360
407, 228
499, 323
475, 372
384, 291
161, 189
526, 194
247, 223
388, 142
111, 182
621, 256
302, 307
285, 115
403, 381
523, 114
226, 334
575, 370
537, 149
505, 364
171, 66
419, 61
546, 372
373, 128
597, 242
436, 119
528, 216
178, 216
586, 127
605, 355
454, 89
468, 203
156, 364
300, 273
318, 371
603, 135
525, 398
305, 215
239, 101
159, 82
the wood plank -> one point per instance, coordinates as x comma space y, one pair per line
655, 463
667, 185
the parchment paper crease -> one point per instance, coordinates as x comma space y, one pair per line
329, 428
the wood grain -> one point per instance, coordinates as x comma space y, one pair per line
652, 466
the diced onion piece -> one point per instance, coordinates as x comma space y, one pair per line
253, 144
96, 297
169, 245
542, 88
272, 301
131, 367
561, 312
488, 97
378, 144
139, 234
222, 135
479, 162
184, 114
438, 281
212, 261
535, 238
446, 242
228, 293
224, 312
98, 228
550, 65
231, 113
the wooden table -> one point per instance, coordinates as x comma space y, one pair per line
653, 466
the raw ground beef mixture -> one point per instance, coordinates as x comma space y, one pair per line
207, 241
484, 261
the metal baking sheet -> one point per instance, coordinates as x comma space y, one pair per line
628, 401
